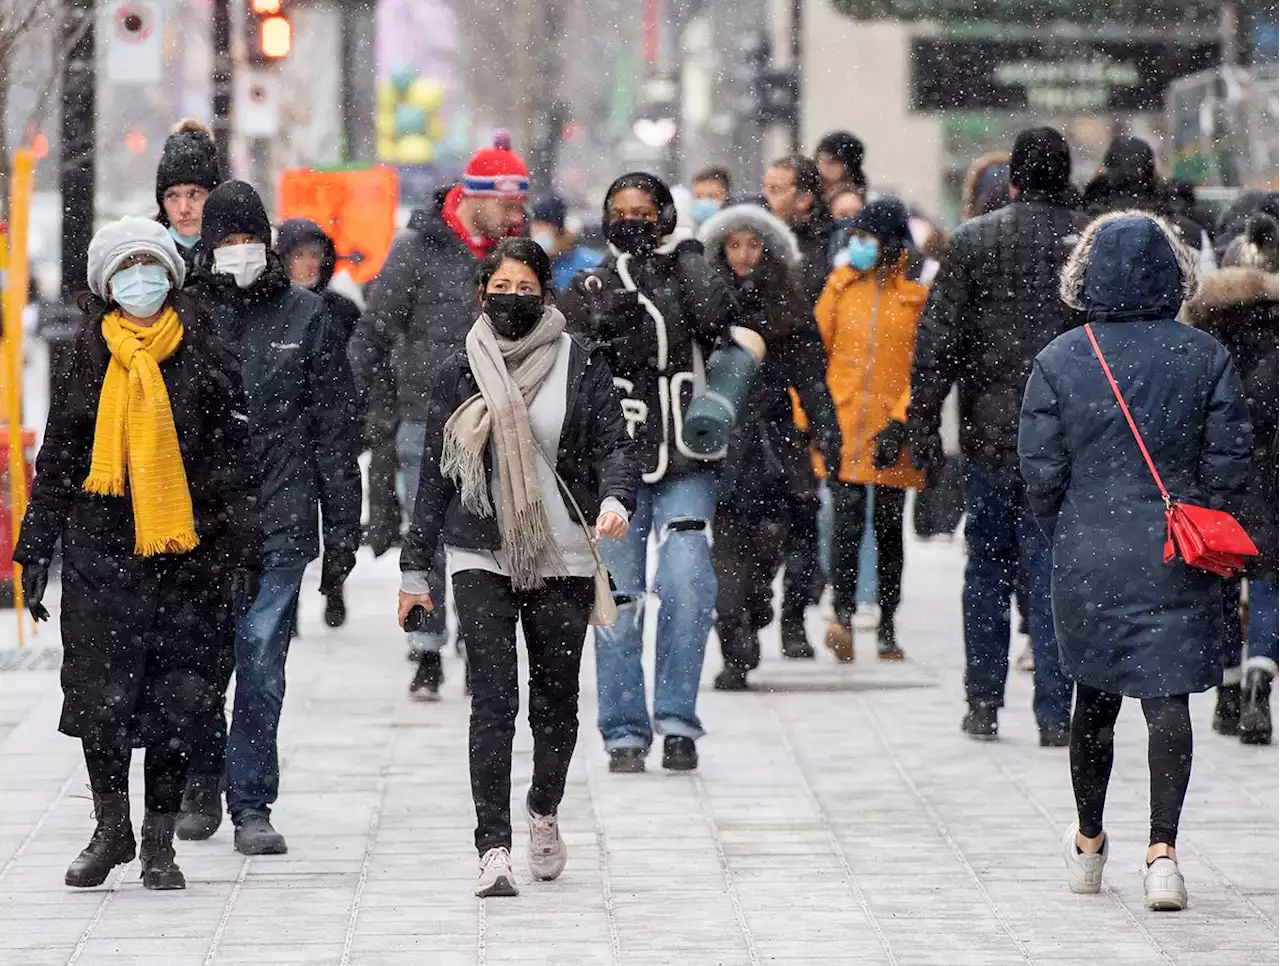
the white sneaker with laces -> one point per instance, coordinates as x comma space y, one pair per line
496, 878
1084, 869
1165, 889
547, 851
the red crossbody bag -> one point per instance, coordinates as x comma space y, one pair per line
1206, 539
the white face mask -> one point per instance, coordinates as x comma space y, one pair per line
244, 263
141, 289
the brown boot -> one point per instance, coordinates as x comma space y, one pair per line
839, 640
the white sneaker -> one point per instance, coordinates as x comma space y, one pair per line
1026, 659
496, 878
547, 851
1084, 869
1166, 890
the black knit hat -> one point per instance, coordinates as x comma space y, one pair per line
848, 150
1041, 161
296, 232
233, 208
189, 157
886, 219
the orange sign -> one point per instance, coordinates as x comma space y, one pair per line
357, 209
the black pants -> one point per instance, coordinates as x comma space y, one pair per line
802, 580
746, 554
850, 503
1168, 758
164, 771
554, 620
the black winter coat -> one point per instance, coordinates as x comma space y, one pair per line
1128, 623
594, 458
142, 635
657, 364
814, 239
302, 409
1238, 307
994, 304
420, 308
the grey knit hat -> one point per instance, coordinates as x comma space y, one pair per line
115, 242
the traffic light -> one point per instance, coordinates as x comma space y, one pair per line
269, 31
768, 95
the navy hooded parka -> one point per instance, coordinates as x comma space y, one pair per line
1128, 623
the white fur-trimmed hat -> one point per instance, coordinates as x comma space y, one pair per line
114, 243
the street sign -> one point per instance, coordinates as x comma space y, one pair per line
257, 107
134, 34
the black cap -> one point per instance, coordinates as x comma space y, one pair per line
296, 232
1041, 160
189, 157
551, 209
886, 218
655, 188
233, 208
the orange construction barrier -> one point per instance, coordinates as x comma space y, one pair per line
8, 519
357, 209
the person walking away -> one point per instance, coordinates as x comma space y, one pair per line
527, 463
146, 477
1130, 625
986, 186
867, 318
302, 420
661, 310
1238, 306
420, 308
711, 188
992, 308
839, 157
550, 230
792, 192
767, 468
189, 169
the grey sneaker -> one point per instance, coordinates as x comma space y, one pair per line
256, 836
1084, 869
1165, 889
547, 851
496, 878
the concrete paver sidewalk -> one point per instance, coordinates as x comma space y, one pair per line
839, 817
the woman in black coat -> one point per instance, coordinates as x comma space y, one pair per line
142, 627
1128, 624
527, 464
1238, 307
767, 471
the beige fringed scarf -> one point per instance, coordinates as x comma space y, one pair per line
508, 375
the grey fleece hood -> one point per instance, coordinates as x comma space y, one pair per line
777, 237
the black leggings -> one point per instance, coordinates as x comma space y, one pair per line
164, 772
1168, 758
888, 505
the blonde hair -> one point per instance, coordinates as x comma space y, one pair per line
1071, 284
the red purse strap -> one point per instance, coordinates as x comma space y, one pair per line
1097, 351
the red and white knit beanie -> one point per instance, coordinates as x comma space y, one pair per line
496, 172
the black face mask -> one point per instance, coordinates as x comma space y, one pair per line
637, 236
513, 316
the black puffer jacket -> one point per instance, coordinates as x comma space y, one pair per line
994, 304
1238, 307
297, 232
420, 308
594, 457
814, 239
302, 409
657, 359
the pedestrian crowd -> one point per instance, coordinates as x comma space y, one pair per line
738, 384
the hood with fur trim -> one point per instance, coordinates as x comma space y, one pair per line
777, 237
1234, 287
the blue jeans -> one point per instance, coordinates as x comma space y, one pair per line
868, 583
1264, 625
411, 441
1002, 535
680, 512
262, 644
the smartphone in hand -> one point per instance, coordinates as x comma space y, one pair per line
416, 619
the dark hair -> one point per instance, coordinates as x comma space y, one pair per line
715, 172
526, 251
808, 181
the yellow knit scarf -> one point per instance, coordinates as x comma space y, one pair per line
135, 425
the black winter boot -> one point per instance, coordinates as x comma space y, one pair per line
335, 609
795, 642
201, 808
112, 843
732, 678
1226, 715
159, 870
1255, 711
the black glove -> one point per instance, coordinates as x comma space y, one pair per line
889, 443
926, 448
35, 579
617, 311
750, 297
334, 570
830, 444
245, 584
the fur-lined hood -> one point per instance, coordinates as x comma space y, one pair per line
777, 237
1142, 277
1234, 287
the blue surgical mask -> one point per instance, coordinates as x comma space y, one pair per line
186, 241
704, 208
863, 252
546, 241
141, 290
